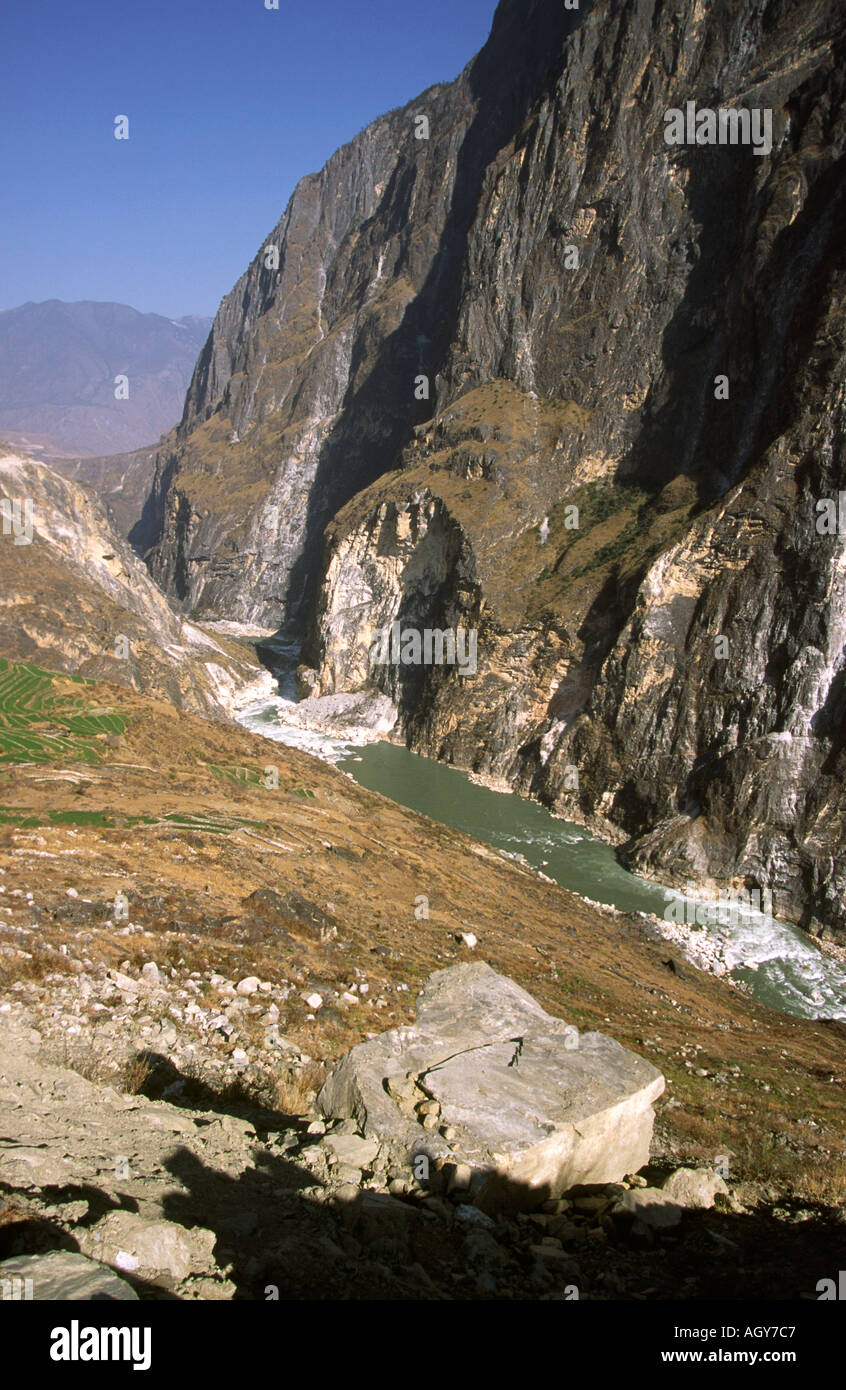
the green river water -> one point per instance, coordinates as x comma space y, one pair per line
782, 966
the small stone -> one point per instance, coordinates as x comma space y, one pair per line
314, 1001
346, 1174
460, 1178
694, 1187
590, 1204
249, 985
350, 1149
651, 1207
150, 972
472, 1216
402, 1087
123, 982
347, 1194
159, 1246
553, 1255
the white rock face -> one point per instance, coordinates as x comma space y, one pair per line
72, 529
361, 718
531, 1113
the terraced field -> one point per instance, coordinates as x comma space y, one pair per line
254, 777
45, 717
25, 819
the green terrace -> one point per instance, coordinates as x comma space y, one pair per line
42, 721
253, 777
24, 818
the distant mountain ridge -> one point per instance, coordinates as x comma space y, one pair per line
58, 363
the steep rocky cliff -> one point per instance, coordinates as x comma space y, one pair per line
635, 356
305, 391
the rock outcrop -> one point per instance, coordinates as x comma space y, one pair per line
520, 1101
80, 601
633, 356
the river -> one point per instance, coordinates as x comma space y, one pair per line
781, 965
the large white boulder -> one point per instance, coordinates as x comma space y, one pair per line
530, 1104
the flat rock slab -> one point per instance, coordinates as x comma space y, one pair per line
61, 1277
351, 1150
535, 1106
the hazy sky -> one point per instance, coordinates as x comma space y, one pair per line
229, 105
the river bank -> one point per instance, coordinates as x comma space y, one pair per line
773, 960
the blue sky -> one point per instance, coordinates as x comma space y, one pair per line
229, 105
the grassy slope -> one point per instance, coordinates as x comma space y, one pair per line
175, 813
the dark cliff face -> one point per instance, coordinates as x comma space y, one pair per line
305, 391
635, 353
